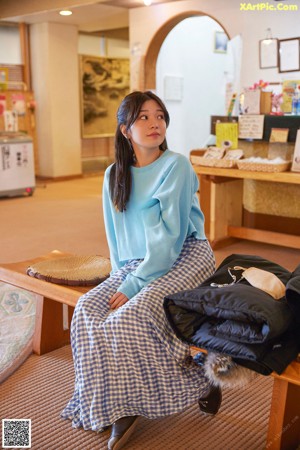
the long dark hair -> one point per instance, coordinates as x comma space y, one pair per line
120, 175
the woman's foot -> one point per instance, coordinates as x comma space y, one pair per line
212, 402
122, 429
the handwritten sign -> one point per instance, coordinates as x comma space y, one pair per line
251, 126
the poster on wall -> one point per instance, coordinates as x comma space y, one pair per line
104, 83
288, 90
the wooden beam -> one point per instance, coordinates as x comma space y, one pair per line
25, 53
268, 237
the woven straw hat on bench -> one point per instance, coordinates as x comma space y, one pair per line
72, 270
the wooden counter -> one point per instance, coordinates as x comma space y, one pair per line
277, 177
221, 197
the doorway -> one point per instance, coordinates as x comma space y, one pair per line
188, 72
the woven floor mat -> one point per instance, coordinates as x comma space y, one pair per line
41, 387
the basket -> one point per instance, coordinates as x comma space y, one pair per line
225, 163
263, 167
201, 161
226, 160
213, 162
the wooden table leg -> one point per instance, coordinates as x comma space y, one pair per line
226, 206
284, 420
51, 331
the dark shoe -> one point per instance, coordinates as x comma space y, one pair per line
122, 429
212, 402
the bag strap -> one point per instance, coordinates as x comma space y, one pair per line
234, 277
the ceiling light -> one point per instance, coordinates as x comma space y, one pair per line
65, 12
147, 2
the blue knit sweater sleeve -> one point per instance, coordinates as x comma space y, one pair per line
110, 226
166, 224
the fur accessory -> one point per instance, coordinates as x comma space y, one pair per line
222, 371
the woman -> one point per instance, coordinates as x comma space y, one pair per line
128, 362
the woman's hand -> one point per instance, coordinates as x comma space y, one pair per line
117, 300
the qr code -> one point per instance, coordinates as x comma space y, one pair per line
16, 433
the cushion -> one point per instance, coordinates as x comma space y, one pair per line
72, 270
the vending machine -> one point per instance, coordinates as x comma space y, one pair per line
16, 164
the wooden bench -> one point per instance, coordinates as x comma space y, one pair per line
55, 306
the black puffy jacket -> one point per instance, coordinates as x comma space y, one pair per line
240, 320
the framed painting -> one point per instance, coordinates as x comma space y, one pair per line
289, 55
104, 82
220, 42
268, 53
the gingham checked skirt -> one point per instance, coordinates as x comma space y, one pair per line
128, 361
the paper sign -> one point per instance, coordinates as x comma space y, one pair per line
251, 126
10, 121
227, 134
279, 135
251, 102
296, 157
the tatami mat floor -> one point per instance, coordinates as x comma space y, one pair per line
41, 387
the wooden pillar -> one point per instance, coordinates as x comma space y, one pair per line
25, 53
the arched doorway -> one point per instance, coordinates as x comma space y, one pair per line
156, 43
182, 52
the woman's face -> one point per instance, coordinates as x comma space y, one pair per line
149, 129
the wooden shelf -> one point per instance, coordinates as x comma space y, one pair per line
224, 209
277, 177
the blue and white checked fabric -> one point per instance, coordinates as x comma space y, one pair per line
128, 361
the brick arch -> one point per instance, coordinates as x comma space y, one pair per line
151, 56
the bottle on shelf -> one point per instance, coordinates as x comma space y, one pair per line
296, 101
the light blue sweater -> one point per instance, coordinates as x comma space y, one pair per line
163, 210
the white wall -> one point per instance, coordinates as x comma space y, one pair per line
144, 22
101, 46
56, 85
251, 25
10, 51
91, 45
55, 79
188, 52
